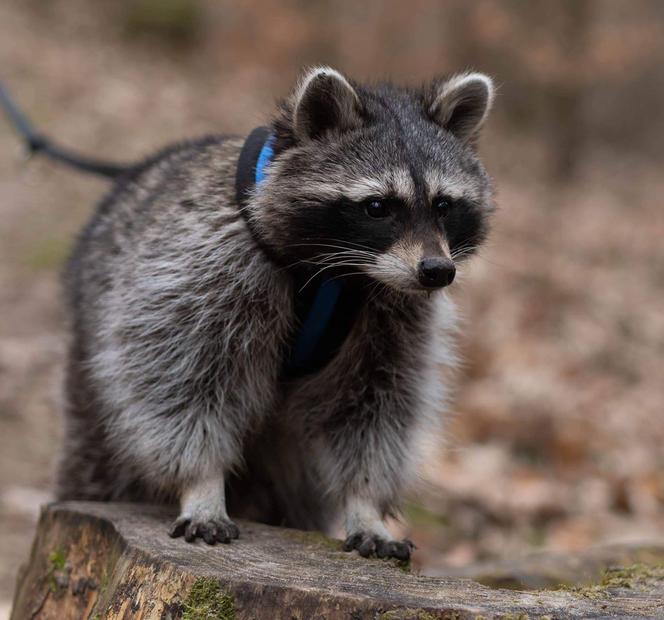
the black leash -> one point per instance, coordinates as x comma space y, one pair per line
37, 143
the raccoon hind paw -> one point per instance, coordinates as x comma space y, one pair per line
368, 544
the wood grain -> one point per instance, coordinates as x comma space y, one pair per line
115, 561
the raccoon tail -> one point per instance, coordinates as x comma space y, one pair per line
37, 143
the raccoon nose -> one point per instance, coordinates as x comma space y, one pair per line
436, 272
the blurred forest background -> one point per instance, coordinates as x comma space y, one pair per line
557, 434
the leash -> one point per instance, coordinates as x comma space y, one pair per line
40, 144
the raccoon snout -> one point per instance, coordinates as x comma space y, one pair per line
436, 272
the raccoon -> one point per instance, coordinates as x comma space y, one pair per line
259, 327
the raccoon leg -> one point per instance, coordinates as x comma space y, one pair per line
203, 513
364, 463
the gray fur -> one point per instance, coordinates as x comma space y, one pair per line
182, 313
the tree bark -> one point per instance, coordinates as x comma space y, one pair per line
94, 560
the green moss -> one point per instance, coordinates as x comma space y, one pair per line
592, 592
409, 614
634, 576
317, 539
103, 581
514, 617
56, 564
631, 576
207, 601
57, 559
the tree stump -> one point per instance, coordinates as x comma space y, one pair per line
95, 560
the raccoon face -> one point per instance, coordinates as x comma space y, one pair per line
377, 180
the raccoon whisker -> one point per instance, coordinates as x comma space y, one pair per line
324, 258
344, 264
328, 257
352, 250
300, 261
288, 266
349, 251
343, 254
463, 249
314, 276
351, 243
398, 262
350, 264
325, 255
317, 245
377, 290
461, 257
339, 264
345, 275
373, 291
458, 255
347, 263
334, 243
329, 245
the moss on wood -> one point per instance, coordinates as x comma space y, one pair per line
56, 576
207, 601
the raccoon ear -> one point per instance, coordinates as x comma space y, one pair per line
462, 103
324, 102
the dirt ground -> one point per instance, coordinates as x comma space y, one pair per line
555, 437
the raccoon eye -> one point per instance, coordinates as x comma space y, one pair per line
376, 209
442, 206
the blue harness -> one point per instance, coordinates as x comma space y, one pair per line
321, 331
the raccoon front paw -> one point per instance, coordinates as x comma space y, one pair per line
369, 544
210, 530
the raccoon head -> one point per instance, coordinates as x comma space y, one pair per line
377, 180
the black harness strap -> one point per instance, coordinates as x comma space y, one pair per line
326, 309
245, 176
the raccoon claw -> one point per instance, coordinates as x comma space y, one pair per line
211, 531
368, 545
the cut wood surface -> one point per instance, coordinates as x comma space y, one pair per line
94, 560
